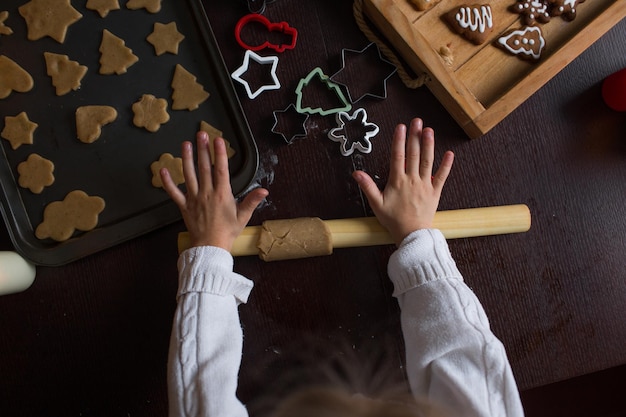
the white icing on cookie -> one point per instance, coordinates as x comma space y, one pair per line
527, 45
475, 18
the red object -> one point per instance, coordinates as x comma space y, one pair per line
282, 27
614, 90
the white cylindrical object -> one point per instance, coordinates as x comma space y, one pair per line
16, 273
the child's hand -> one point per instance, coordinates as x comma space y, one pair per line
210, 212
411, 196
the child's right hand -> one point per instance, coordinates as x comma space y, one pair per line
411, 196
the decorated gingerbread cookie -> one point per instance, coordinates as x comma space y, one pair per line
532, 11
525, 43
474, 22
565, 8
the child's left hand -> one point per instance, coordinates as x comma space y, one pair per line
212, 215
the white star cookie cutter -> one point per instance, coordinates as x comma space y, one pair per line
344, 133
267, 60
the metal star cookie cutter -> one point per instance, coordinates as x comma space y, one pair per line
343, 133
325, 79
237, 75
287, 116
350, 60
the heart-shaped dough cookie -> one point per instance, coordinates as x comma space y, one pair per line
14, 78
90, 119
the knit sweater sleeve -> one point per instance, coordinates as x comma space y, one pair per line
454, 362
207, 339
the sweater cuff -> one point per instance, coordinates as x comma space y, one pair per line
423, 256
209, 269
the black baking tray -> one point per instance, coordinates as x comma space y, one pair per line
117, 166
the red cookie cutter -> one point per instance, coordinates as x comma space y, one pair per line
282, 27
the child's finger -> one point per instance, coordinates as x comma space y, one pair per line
398, 153
369, 188
222, 176
444, 171
172, 190
413, 147
427, 155
189, 170
249, 204
204, 163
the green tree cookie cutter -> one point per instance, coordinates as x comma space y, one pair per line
333, 87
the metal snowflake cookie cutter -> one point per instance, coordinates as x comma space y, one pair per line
251, 55
294, 119
345, 136
317, 73
351, 75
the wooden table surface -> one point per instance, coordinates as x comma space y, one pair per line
91, 338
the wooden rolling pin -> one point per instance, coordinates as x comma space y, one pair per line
367, 231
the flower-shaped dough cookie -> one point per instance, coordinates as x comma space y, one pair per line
77, 211
35, 173
173, 165
150, 112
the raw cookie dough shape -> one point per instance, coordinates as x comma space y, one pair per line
103, 7
90, 119
4, 30
66, 75
362, 71
188, 93
77, 211
290, 124
36, 173
13, 78
251, 55
18, 130
532, 11
525, 43
115, 56
473, 22
215, 133
153, 6
150, 112
294, 239
165, 38
318, 75
347, 127
173, 165
49, 18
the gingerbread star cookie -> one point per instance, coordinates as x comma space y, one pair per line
77, 211
103, 7
115, 56
66, 75
150, 112
18, 130
215, 133
173, 165
532, 11
4, 30
49, 18
153, 6
14, 78
91, 119
188, 94
564, 8
36, 173
165, 38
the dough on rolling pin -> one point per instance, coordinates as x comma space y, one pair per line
294, 239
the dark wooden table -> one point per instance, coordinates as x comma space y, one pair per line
91, 338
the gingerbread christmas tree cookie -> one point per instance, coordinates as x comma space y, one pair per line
36, 173
4, 29
150, 112
153, 6
49, 18
188, 93
103, 7
66, 75
115, 56
18, 130
165, 38
13, 78
525, 43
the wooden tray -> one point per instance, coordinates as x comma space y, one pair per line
484, 83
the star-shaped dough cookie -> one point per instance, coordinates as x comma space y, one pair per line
36, 173
103, 7
153, 6
18, 130
49, 18
150, 112
4, 30
165, 38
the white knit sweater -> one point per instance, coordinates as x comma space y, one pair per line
453, 359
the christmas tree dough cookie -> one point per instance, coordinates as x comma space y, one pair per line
36, 173
165, 38
115, 56
188, 93
90, 119
18, 130
66, 75
4, 30
49, 18
103, 7
14, 78
215, 133
150, 112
